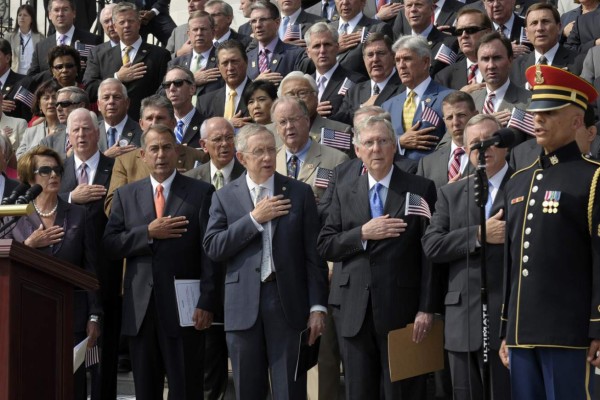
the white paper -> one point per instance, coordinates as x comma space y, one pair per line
79, 354
187, 292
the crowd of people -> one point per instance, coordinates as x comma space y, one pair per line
315, 170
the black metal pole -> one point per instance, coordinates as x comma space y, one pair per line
481, 196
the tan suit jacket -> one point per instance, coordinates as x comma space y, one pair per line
130, 168
18, 127
318, 156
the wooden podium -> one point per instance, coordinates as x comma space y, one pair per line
36, 323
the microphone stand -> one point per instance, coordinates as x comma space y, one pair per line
481, 196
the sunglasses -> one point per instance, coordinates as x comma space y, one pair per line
65, 104
58, 67
177, 82
47, 171
469, 30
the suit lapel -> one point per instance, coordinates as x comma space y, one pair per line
281, 161
365, 92
193, 127
335, 83
253, 63
103, 172
396, 196
177, 195
441, 163
242, 194
141, 53
311, 163
280, 188
361, 198
277, 56
128, 131
144, 197
69, 180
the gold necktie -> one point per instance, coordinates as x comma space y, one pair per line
126, 59
230, 105
219, 180
408, 113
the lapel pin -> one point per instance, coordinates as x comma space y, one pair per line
7, 89
428, 100
144, 51
517, 6
283, 188
274, 61
195, 128
212, 59
253, 64
311, 166
430, 43
129, 134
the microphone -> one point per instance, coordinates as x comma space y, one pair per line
504, 137
30, 194
19, 190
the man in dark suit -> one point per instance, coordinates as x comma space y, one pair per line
464, 75
417, 20
275, 281
508, 23
62, 15
9, 83
352, 234
227, 101
217, 141
585, 33
155, 19
453, 240
7, 185
84, 181
272, 59
245, 28
543, 31
293, 14
350, 27
222, 14
449, 162
500, 95
119, 133
384, 81
139, 66
202, 61
416, 112
156, 224
108, 27
180, 90
333, 80
325, 9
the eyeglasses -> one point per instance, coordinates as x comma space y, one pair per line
220, 139
378, 54
301, 94
260, 20
59, 67
469, 30
259, 153
177, 82
65, 104
293, 120
380, 142
47, 171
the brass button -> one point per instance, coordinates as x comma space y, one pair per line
525, 273
527, 231
539, 177
534, 189
525, 259
532, 202
526, 245
529, 216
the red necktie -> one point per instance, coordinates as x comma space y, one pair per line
455, 165
472, 74
488, 107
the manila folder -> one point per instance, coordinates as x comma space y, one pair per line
408, 359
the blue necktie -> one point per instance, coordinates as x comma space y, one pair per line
283, 28
375, 201
112, 136
488, 205
179, 131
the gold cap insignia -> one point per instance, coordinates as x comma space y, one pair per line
554, 160
539, 79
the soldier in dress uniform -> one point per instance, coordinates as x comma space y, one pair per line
551, 311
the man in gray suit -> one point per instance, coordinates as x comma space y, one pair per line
178, 43
217, 141
453, 239
263, 227
119, 134
449, 162
500, 95
67, 99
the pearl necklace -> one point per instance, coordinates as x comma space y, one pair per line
45, 215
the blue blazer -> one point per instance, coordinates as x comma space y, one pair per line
286, 58
433, 97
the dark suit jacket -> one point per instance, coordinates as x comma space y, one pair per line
307, 20
232, 238
454, 76
244, 39
447, 14
185, 60
331, 92
515, 96
152, 267
445, 242
104, 63
213, 104
57, 142
10, 88
39, 62
191, 136
9, 186
203, 172
401, 283
132, 133
525, 154
77, 247
434, 166
361, 92
564, 58
352, 59
584, 33
285, 59
515, 33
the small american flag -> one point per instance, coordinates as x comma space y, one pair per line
522, 120
364, 34
83, 49
346, 85
25, 96
429, 115
336, 139
323, 177
416, 205
293, 32
523, 38
92, 356
446, 55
